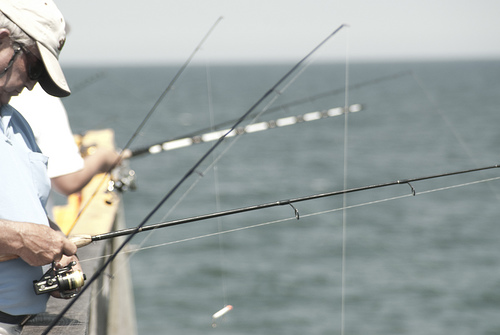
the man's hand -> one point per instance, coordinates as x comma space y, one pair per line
36, 244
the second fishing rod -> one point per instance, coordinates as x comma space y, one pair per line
83, 240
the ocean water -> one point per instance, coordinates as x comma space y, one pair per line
424, 264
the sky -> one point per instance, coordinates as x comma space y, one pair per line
120, 32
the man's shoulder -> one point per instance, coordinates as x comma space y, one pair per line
20, 126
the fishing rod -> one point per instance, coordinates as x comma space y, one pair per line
191, 171
154, 148
252, 128
171, 85
83, 240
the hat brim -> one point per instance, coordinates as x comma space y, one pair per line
53, 82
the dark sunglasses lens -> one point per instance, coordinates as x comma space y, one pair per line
35, 66
35, 71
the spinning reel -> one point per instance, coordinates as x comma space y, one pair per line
64, 280
122, 178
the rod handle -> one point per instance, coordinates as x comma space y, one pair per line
79, 240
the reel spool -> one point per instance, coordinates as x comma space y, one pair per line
64, 280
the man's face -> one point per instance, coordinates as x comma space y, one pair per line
16, 78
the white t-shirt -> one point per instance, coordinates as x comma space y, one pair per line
48, 119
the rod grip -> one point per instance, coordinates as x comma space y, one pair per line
81, 240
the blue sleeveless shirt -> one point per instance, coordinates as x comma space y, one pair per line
24, 188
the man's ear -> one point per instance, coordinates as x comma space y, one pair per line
4, 36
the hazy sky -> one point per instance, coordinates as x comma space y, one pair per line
165, 31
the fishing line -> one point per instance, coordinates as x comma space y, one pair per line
344, 197
217, 203
182, 180
373, 202
450, 126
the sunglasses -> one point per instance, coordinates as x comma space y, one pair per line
17, 49
34, 68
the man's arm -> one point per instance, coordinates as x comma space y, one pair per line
99, 162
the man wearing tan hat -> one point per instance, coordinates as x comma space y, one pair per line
31, 37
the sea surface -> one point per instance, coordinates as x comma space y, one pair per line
388, 263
